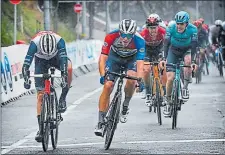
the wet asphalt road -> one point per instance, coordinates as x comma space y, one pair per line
201, 123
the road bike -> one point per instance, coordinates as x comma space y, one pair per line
157, 90
112, 115
176, 96
50, 117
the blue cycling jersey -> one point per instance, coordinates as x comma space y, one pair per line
183, 41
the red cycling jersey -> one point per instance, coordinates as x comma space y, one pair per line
153, 40
112, 41
205, 27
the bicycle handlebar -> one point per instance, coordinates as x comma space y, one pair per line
46, 75
154, 63
124, 76
174, 65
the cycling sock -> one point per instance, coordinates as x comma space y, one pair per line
101, 116
169, 89
147, 90
124, 111
126, 101
64, 93
186, 82
164, 89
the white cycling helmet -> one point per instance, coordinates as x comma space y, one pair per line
48, 44
154, 15
218, 22
128, 26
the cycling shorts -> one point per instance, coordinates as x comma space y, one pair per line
115, 62
174, 58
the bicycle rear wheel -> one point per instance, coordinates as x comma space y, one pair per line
112, 120
45, 122
174, 105
54, 120
158, 102
220, 67
206, 65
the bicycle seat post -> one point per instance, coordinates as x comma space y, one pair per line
52, 70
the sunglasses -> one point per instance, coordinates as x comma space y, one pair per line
128, 36
152, 27
180, 23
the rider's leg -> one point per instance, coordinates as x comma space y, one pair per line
164, 80
147, 77
62, 65
40, 68
171, 58
104, 99
187, 71
147, 70
129, 91
187, 77
129, 88
105, 95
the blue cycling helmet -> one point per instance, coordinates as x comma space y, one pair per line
182, 17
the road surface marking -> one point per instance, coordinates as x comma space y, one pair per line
32, 135
128, 142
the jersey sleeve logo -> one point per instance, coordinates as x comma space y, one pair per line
105, 44
142, 50
194, 36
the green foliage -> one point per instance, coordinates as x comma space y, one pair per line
30, 25
67, 34
6, 32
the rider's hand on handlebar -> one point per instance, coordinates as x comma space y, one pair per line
27, 84
194, 67
140, 85
102, 80
162, 64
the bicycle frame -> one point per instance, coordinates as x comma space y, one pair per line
156, 77
177, 78
118, 92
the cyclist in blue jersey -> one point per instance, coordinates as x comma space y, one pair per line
49, 50
180, 42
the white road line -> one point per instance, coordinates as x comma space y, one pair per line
128, 142
175, 141
31, 135
20, 142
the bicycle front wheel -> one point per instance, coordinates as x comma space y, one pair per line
152, 89
113, 119
45, 122
220, 65
54, 125
174, 104
158, 102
